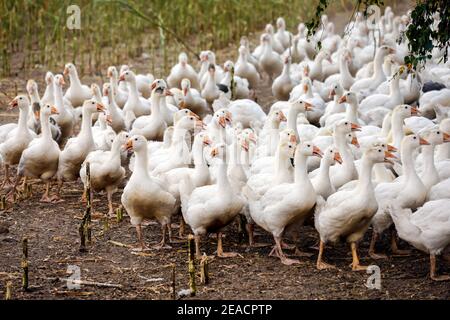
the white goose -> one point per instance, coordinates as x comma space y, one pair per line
40, 159
347, 214
77, 93
145, 196
287, 203
269, 60
65, 118
427, 229
211, 208
77, 148
245, 69
116, 114
106, 171
407, 192
18, 139
182, 70
120, 95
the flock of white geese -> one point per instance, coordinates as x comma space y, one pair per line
355, 139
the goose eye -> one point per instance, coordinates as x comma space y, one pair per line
192, 118
309, 146
406, 107
20, 98
290, 147
438, 132
348, 93
379, 150
135, 139
346, 123
331, 151
414, 138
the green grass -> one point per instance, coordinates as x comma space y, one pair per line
113, 31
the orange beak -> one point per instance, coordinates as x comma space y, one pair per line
129, 145
293, 139
356, 127
13, 104
62, 82
66, 71
337, 157
446, 137
110, 73
168, 93
228, 117
332, 93
308, 106
391, 148
105, 92
317, 152
355, 142
100, 108
305, 88
423, 142
342, 99
36, 115
391, 50
245, 145
54, 110
414, 111
185, 91
214, 152
182, 105
281, 116
388, 155
199, 124
223, 121
207, 141
122, 77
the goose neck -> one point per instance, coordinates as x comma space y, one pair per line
428, 160
301, 169
23, 118
397, 129
365, 176
45, 126
155, 105
140, 170
86, 125
222, 178
292, 120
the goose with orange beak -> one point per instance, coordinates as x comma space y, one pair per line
408, 191
77, 148
145, 197
211, 208
287, 203
40, 159
321, 179
18, 139
77, 92
347, 214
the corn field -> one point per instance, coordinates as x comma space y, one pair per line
34, 33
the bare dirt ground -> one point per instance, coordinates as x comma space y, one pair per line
52, 230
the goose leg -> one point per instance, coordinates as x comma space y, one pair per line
45, 197
7, 181
372, 252
11, 194
182, 227
284, 260
141, 244
355, 264
394, 246
433, 274
220, 252
197, 246
320, 264
110, 204
162, 244
56, 198
251, 239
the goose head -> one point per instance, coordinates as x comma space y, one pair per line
136, 143
336, 90
127, 76
183, 59
386, 50
184, 113
435, 135
405, 111
276, 117
20, 101
332, 155
413, 141
249, 134
306, 84
70, 70
49, 78
121, 139
159, 87
32, 87
301, 29
112, 72
288, 135
46, 111
269, 29
377, 154
307, 149
189, 123
185, 86
345, 126
59, 81
228, 66
219, 151
223, 117
265, 38
91, 106
353, 139
281, 24
106, 89
301, 106
349, 97
95, 89
287, 149
204, 138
